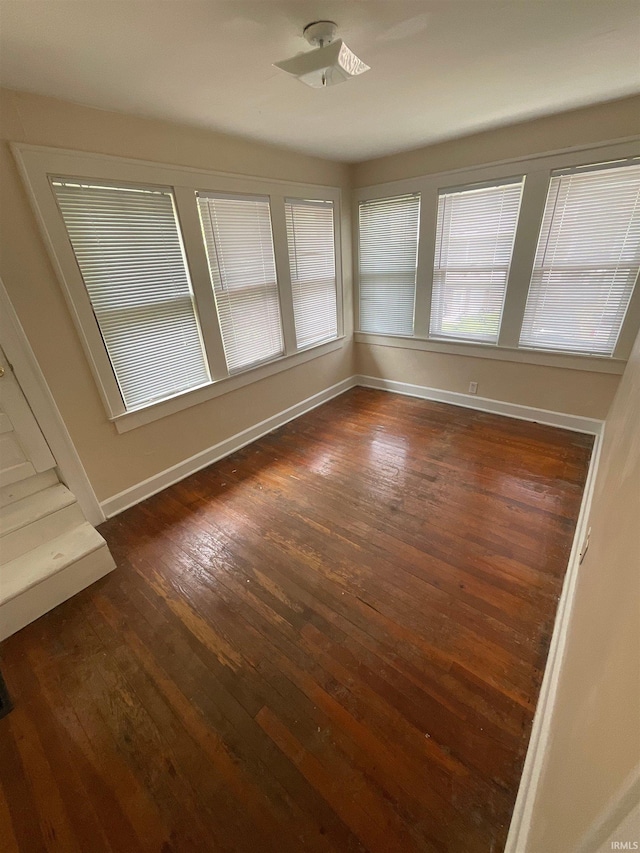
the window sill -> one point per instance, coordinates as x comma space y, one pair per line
571, 361
155, 411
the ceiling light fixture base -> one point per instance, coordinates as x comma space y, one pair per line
329, 63
320, 33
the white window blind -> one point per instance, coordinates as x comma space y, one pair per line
312, 262
587, 260
239, 243
130, 254
474, 242
388, 260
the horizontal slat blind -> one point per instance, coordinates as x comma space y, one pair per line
388, 259
587, 261
239, 243
312, 262
474, 242
129, 251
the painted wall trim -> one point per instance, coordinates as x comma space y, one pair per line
140, 491
485, 404
520, 828
567, 361
484, 164
20, 147
43, 406
185, 399
145, 489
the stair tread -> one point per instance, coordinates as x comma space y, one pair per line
13, 492
19, 514
36, 565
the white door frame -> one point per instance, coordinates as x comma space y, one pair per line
26, 433
34, 387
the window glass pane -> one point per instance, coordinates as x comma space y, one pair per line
587, 260
129, 250
239, 243
312, 263
474, 242
388, 260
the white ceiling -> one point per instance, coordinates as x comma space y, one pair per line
439, 69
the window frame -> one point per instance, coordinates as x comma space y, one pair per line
129, 185
418, 198
537, 172
290, 200
552, 201
515, 180
38, 164
281, 296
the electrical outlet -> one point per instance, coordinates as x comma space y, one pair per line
473, 387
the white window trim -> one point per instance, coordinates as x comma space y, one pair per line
537, 171
37, 163
477, 349
137, 417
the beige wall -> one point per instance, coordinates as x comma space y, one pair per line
595, 734
114, 462
576, 392
607, 122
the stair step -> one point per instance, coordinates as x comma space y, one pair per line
44, 577
33, 507
32, 521
23, 488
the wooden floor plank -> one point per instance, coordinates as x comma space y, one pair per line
332, 640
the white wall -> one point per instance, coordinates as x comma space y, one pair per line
594, 746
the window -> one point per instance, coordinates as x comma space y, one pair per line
474, 241
388, 263
239, 242
177, 279
587, 260
129, 251
313, 270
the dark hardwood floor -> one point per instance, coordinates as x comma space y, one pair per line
332, 640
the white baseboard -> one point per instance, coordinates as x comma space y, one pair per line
133, 495
484, 404
519, 830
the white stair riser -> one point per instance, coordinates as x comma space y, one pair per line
17, 491
53, 590
39, 531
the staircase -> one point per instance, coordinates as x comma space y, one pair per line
48, 551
